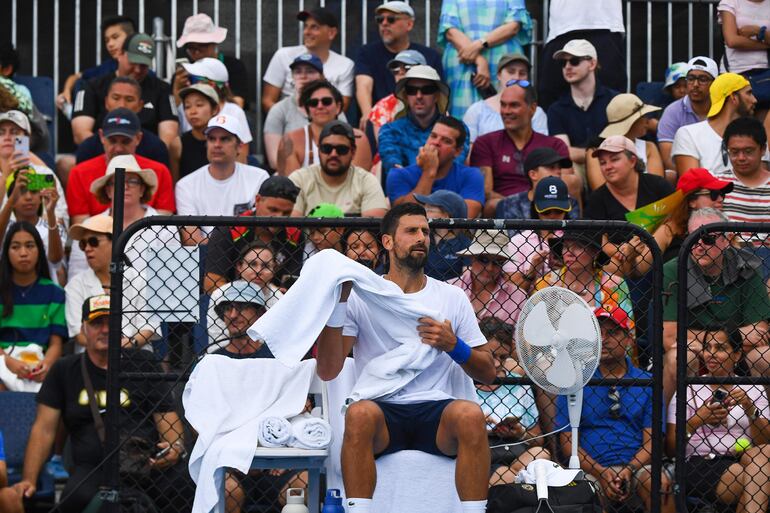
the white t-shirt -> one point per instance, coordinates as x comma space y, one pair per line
200, 194
699, 140
746, 12
337, 69
154, 237
229, 109
432, 384
568, 15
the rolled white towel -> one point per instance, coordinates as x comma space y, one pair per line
274, 432
310, 432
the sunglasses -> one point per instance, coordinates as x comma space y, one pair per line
326, 101
614, 396
341, 149
487, 259
708, 239
713, 194
391, 19
397, 67
92, 241
574, 61
425, 90
521, 83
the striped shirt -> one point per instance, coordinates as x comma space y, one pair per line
38, 313
748, 204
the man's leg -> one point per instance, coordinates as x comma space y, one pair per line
10, 501
366, 434
462, 432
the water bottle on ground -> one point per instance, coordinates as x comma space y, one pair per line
333, 502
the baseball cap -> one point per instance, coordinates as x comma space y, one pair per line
229, 123
544, 157
451, 202
408, 57
121, 121
722, 87
551, 193
397, 7
204, 89
140, 49
322, 15
675, 72
702, 63
577, 48
698, 178
310, 60
326, 210
513, 57
210, 68
95, 307
279, 187
239, 291
18, 118
97, 224
616, 144
200, 28
616, 314
337, 127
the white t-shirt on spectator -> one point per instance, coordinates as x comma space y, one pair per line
200, 194
746, 12
700, 141
337, 69
374, 339
229, 109
568, 15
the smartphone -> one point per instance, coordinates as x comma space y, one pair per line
38, 182
719, 396
162, 453
21, 144
180, 61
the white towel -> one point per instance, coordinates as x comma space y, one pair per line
308, 432
225, 401
292, 326
274, 432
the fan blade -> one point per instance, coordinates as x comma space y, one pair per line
562, 372
538, 330
577, 322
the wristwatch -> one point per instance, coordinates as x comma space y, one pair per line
755, 414
484, 43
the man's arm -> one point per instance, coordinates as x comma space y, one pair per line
82, 128
333, 347
665, 154
427, 160
480, 365
364, 90
212, 281
168, 132
41, 439
474, 208
170, 431
375, 212
576, 154
270, 96
754, 335
684, 162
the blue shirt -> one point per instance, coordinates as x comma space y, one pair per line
443, 262
105, 68
466, 181
678, 114
581, 126
518, 206
612, 441
2, 447
150, 147
400, 142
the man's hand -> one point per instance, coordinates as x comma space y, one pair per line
607, 480
621, 485
510, 428
437, 334
181, 80
169, 457
25, 488
427, 159
483, 77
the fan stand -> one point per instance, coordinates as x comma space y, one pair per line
575, 408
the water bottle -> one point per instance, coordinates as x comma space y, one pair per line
333, 502
295, 503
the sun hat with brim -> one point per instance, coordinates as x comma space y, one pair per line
615, 144
698, 178
240, 291
96, 224
488, 242
129, 163
18, 118
449, 201
424, 73
675, 73
623, 111
200, 28
206, 90
722, 87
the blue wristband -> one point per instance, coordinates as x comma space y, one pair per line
461, 353
761, 34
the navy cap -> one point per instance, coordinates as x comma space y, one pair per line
544, 157
322, 15
310, 60
408, 57
452, 203
121, 122
551, 192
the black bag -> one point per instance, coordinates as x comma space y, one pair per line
576, 497
135, 454
130, 500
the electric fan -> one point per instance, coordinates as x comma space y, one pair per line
559, 345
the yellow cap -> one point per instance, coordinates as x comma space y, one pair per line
722, 87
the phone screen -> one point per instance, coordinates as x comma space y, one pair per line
21, 144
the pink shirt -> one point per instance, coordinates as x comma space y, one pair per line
746, 12
506, 302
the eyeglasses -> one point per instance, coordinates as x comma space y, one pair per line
488, 259
747, 152
614, 396
701, 79
521, 83
713, 194
92, 241
708, 239
425, 90
341, 149
574, 61
326, 101
130, 182
391, 19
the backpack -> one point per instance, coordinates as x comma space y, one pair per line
576, 497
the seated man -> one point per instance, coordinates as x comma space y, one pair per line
616, 422
10, 499
336, 180
423, 415
276, 198
158, 114
443, 262
66, 396
438, 169
239, 305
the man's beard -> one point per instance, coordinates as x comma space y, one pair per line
339, 172
412, 261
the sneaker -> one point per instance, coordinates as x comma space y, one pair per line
56, 468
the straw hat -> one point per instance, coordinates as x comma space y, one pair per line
129, 163
96, 224
622, 112
488, 242
424, 73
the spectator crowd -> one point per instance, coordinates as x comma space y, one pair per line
465, 132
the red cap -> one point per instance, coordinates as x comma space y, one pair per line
615, 313
700, 178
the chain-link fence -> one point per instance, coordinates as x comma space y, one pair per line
715, 317
181, 303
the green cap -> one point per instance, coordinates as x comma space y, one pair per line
140, 49
326, 210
